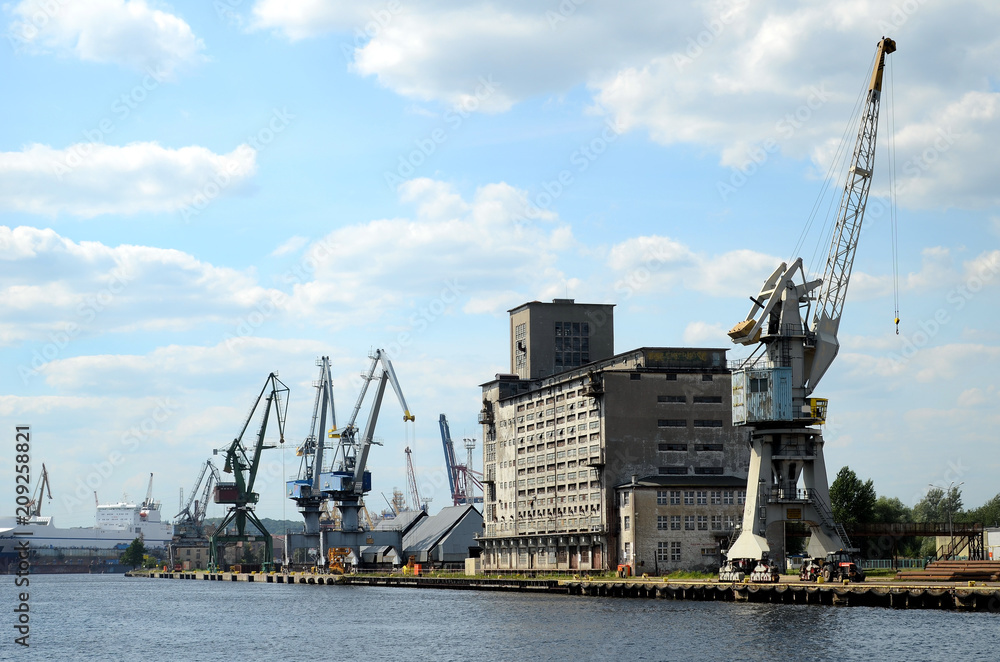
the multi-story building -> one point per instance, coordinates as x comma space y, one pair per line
557, 445
678, 522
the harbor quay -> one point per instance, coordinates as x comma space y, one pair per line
953, 596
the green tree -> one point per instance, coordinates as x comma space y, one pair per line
133, 556
890, 510
852, 500
987, 514
936, 506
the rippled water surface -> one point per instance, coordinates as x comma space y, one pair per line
111, 617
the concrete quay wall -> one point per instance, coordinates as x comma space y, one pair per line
982, 598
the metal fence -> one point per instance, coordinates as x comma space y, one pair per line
893, 564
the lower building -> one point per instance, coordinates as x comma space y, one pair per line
672, 523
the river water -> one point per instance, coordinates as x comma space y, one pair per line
111, 617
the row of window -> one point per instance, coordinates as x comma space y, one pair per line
682, 423
683, 470
684, 447
671, 376
682, 399
694, 522
698, 497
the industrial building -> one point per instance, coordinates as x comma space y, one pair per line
446, 538
563, 433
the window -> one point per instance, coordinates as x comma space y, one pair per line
702, 498
706, 378
741, 497
661, 497
662, 548
675, 522
708, 423
671, 423
672, 399
689, 522
708, 447
708, 551
662, 521
675, 497
675, 551
628, 549
702, 522
689, 498
624, 498
635, 376
673, 471
627, 523
708, 471
673, 447
716, 498
727, 497
708, 399
671, 377
717, 522
758, 385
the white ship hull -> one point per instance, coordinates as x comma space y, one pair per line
119, 525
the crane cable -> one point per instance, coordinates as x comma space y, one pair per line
838, 162
893, 226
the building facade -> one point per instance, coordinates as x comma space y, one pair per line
557, 448
672, 523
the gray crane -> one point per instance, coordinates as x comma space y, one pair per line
190, 521
345, 480
793, 324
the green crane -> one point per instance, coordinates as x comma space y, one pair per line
243, 463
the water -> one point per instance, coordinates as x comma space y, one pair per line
111, 617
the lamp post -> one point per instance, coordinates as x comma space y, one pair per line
951, 527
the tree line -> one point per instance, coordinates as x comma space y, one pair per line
855, 502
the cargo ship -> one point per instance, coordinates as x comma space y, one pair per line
116, 525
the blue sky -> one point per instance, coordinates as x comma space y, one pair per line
195, 194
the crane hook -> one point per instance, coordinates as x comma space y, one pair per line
897, 326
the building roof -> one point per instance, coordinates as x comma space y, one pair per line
431, 530
686, 481
403, 521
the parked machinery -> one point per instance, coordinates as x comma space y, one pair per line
792, 327
837, 566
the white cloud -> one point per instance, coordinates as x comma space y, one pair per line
89, 179
167, 369
53, 286
703, 334
290, 245
747, 80
657, 264
456, 252
129, 33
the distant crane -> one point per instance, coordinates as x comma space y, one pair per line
411, 481
35, 505
461, 478
190, 520
148, 504
243, 462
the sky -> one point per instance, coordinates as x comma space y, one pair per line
194, 195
